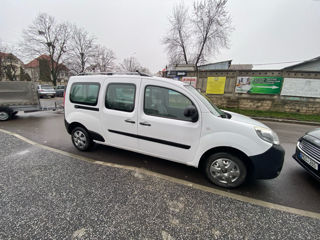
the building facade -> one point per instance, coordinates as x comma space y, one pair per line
39, 70
11, 68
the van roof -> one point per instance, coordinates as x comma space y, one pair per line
115, 73
130, 75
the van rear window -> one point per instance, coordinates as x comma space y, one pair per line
85, 93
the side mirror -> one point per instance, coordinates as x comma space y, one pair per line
192, 113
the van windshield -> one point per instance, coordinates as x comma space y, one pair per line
206, 101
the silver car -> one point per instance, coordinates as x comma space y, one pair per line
46, 90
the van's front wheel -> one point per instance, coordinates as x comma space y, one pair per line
225, 170
81, 139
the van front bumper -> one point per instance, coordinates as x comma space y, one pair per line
268, 164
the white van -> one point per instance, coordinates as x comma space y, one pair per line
168, 119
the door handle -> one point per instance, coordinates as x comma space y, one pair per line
145, 124
129, 121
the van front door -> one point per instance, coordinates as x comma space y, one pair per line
119, 115
163, 129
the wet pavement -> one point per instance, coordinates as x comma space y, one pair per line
293, 188
47, 195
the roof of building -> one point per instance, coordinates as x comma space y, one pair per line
241, 67
2, 54
5, 55
215, 63
35, 62
224, 65
302, 63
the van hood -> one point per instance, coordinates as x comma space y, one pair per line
244, 119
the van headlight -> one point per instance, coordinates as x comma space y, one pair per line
267, 135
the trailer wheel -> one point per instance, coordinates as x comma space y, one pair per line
5, 114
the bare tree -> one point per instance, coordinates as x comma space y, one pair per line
46, 36
10, 67
176, 40
3, 47
82, 50
2, 51
102, 60
130, 64
210, 25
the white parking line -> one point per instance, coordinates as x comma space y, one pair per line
175, 180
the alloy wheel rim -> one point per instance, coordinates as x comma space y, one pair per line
4, 116
79, 139
225, 170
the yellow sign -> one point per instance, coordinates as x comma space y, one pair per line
215, 85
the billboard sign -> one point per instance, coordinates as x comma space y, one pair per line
190, 80
259, 85
215, 85
301, 87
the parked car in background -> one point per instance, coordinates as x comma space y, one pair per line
60, 90
46, 91
308, 152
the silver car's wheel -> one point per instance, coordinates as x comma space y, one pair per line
4, 115
226, 170
81, 139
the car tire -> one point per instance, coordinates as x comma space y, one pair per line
81, 139
225, 170
5, 114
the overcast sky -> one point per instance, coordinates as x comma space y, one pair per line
266, 31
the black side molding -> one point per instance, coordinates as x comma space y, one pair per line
173, 144
86, 108
96, 136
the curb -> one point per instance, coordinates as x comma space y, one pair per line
286, 121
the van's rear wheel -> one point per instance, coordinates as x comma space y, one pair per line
225, 170
81, 139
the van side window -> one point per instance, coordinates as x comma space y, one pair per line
85, 93
164, 102
120, 96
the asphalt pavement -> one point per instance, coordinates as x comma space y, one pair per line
48, 195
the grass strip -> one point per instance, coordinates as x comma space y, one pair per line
272, 114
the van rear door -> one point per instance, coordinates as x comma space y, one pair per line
119, 114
